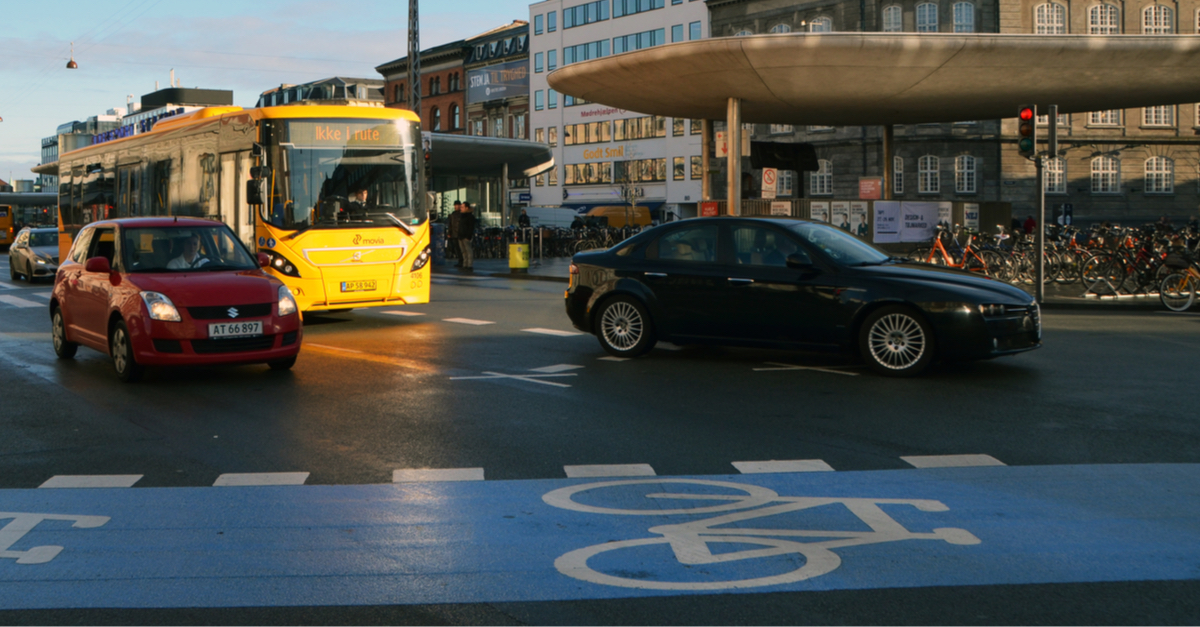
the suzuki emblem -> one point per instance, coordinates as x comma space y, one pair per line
233, 312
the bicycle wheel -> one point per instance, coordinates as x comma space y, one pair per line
997, 265
920, 254
1069, 268
1104, 274
1177, 292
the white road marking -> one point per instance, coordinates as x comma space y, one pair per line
555, 368
45, 295
779, 366
554, 332
7, 286
403, 313
790, 465
333, 348
951, 461
91, 481
1178, 313
532, 378
467, 321
611, 358
418, 475
261, 478
16, 301
610, 470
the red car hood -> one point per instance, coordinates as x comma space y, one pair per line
202, 289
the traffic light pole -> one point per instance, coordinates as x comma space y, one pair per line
1040, 275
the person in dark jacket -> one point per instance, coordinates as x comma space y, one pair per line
523, 220
466, 232
452, 222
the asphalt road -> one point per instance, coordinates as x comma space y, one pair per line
490, 382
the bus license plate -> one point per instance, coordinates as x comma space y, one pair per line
249, 328
358, 286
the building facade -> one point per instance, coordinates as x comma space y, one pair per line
443, 93
497, 71
604, 155
334, 88
1130, 166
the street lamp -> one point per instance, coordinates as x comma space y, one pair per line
72, 65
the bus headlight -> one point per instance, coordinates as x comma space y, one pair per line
281, 265
287, 304
160, 307
422, 259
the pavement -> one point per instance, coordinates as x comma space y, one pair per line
1057, 295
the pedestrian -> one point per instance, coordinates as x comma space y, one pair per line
523, 220
1030, 225
452, 229
466, 233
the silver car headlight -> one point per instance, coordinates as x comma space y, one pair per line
160, 307
287, 304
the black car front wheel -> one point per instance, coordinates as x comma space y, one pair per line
624, 328
896, 341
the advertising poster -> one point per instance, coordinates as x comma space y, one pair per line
781, 208
887, 222
946, 214
819, 211
971, 216
858, 219
917, 221
840, 214
870, 187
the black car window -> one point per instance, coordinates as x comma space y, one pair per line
842, 247
759, 246
696, 243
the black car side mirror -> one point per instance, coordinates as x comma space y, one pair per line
798, 261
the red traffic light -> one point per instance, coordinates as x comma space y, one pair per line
1026, 113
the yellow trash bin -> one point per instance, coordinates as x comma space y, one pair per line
518, 257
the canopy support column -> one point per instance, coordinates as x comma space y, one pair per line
706, 129
733, 145
889, 161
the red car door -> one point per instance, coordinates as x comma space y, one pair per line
91, 295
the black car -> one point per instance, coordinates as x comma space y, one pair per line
792, 284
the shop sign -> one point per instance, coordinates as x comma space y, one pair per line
495, 82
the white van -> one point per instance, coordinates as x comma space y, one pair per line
552, 217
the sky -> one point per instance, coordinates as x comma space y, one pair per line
124, 46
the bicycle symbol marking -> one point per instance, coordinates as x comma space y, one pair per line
22, 524
690, 541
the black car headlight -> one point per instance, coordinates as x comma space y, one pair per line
422, 259
281, 264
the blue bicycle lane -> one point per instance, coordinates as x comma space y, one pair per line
569, 539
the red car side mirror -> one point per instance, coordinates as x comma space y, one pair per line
98, 264
264, 260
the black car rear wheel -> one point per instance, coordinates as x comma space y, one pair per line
895, 341
624, 328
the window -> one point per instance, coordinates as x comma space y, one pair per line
760, 246
820, 25
697, 127
897, 175
553, 179
821, 181
1158, 20
640, 171
787, 183
928, 181
551, 60
1112, 117
964, 174
551, 21
637, 41
540, 180
1063, 120
583, 52
477, 127
694, 31
537, 62
1050, 19
697, 168
677, 127
677, 33
622, 8
498, 127
538, 102
646, 127
539, 135
537, 25
455, 117
781, 129
743, 33
688, 244
1103, 19
1106, 175
1056, 176
964, 17
893, 19
927, 18
820, 129
519, 125
1158, 116
781, 28
551, 99
677, 169
552, 136
397, 93
585, 14
1160, 175
436, 121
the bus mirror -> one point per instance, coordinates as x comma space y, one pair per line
256, 150
258, 172
256, 191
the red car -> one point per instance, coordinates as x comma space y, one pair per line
171, 291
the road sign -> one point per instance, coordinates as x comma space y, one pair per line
770, 182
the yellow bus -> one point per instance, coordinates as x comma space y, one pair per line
7, 233
289, 180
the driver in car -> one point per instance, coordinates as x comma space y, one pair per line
190, 257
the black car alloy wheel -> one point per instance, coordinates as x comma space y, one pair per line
623, 326
896, 341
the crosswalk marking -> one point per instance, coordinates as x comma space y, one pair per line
792, 465
555, 368
261, 478
418, 475
610, 470
91, 481
45, 295
467, 321
7, 286
19, 302
555, 332
951, 461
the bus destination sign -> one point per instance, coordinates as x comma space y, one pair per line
344, 133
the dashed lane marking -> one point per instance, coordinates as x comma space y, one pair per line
333, 348
556, 368
611, 358
951, 461
554, 332
792, 465
261, 478
467, 321
19, 302
610, 470
531, 378
776, 366
420, 475
403, 313
91, 481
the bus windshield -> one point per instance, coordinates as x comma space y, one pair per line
343, 174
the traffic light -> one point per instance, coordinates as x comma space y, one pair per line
1027, 130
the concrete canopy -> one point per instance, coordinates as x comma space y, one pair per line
468, 155
840, 79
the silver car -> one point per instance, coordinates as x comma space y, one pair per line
34, 254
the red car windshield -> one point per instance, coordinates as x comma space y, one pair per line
184, 249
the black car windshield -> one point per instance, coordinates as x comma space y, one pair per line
43, 238
842, 247
184, 249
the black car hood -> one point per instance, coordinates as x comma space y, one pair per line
947, 276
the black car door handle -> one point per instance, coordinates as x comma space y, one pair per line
656, 275
741, 281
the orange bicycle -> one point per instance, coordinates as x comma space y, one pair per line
968, 257
1178, 290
